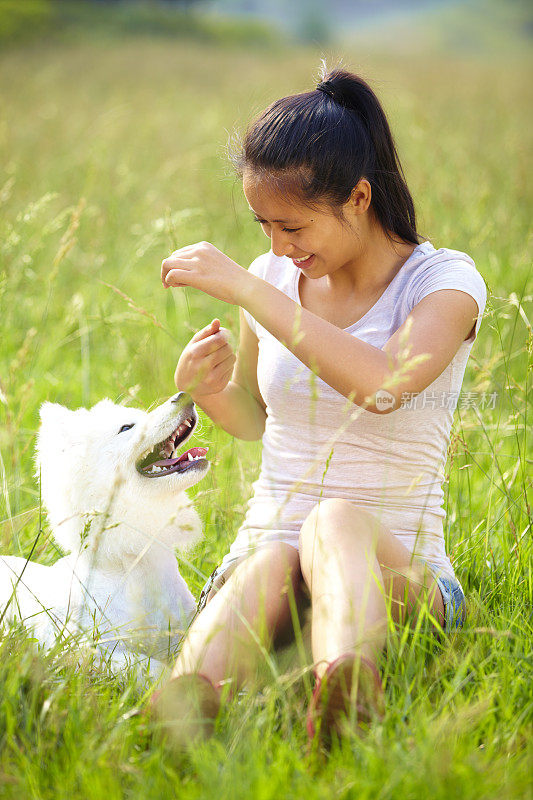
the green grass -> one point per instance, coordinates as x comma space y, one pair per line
111, 157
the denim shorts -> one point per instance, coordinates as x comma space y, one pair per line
210, 582
451, 590
453, 597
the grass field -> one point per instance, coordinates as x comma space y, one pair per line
112, 155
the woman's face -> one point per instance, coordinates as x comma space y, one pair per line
317, 241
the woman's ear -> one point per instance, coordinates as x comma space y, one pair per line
360, 197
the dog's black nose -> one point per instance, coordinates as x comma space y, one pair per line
182, 398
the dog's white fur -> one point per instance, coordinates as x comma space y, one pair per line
120, 584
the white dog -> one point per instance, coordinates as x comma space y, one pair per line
114, 488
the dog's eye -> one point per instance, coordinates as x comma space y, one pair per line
125, 428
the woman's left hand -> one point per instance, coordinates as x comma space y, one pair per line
204, 267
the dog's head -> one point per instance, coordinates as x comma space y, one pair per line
111, 465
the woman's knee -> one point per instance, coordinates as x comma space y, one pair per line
267, 583
334, 519
269, 568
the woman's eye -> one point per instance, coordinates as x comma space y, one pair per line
126, 428
264, 224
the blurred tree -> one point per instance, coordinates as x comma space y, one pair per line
160, 3
18, 18
313, 22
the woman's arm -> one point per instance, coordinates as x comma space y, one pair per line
410, 361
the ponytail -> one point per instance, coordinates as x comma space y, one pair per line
318, 145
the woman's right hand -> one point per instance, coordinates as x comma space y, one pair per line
206, 364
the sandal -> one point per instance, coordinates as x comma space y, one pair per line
186, 709
332, 705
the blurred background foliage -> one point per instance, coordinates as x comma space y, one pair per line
460, 25
60, 19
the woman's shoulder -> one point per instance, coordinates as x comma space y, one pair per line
430, 270
444, 268
425, 255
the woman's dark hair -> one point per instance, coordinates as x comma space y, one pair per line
318, 145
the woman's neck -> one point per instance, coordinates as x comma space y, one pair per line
380, 259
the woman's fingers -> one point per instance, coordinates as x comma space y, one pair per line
192, 250
210, 329
205, 268
184, 251
211, 343
181, 260
220, 375
220, 356
210, 379
171, 276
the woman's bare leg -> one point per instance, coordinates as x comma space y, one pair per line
228, 638
351, 563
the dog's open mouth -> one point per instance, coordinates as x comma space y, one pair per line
162, 458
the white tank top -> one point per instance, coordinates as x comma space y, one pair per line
318, 445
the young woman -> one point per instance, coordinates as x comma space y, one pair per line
354, 339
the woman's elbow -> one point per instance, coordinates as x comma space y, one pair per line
381, 402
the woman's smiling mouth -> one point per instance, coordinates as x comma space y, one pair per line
304, 262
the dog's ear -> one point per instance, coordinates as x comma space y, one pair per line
52, 435
54, 414
58, 426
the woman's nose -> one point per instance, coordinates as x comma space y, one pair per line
279, 243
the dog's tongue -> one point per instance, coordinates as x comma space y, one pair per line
171, 462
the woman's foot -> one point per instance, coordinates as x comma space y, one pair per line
186, 709
349, 694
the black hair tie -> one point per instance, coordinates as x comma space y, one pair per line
329, 88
